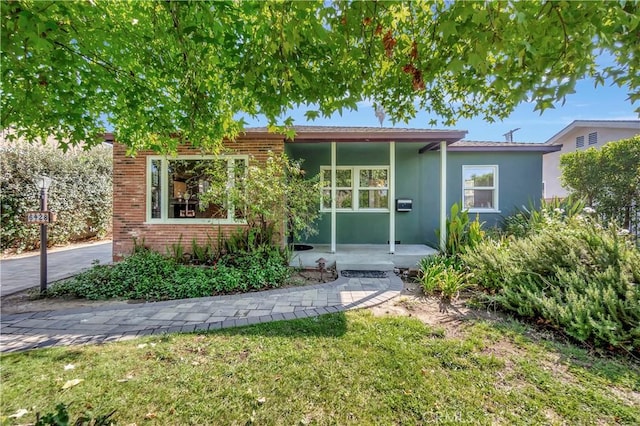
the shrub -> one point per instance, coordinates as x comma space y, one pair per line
81, 194
573, 273
526, 221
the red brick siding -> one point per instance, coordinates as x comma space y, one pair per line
130, 197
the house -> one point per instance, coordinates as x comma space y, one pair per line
579, 135
385, 186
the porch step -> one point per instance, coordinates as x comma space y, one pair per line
382, 265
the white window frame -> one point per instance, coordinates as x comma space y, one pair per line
164, 185
495, 208
355, 189
580, 141
592, 138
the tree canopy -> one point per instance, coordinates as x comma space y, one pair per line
160, 69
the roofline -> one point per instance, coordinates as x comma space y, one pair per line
524, 148
448, 136
323, 136
612, 124
529, 147
304, 136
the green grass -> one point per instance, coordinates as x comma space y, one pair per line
349, 368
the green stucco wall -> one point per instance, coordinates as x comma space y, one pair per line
418, 178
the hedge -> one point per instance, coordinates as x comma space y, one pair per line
81, 193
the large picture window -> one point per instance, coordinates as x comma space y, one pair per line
358, 188
480, 188
175, 187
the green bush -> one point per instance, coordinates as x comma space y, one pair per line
149, 275
81, 194
574, 273
527, 221
444, 275
462, 232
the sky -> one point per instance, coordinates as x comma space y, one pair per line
588, 103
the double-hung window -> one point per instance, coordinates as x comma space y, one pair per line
176, 185
358, 188
480, 188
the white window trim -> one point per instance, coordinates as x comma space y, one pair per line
355, 188
494, 209
164, 185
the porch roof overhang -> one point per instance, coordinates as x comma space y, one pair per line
320, 134
488, 146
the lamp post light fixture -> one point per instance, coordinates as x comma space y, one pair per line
43, 183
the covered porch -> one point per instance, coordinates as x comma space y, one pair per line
362, 257
378, 188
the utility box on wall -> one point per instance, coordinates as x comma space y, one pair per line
404, 205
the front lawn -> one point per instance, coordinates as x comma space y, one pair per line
351, 368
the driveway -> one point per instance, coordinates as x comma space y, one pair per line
21, 273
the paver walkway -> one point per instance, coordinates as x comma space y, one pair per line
19, 332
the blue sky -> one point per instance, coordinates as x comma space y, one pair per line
588, 103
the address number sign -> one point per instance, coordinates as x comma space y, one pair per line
40, 217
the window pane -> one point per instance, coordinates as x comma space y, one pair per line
156, 189
343, 178
478, 176
373, 178
373, 199
326, 198
239, 174
478, 198
188, 179
344, 199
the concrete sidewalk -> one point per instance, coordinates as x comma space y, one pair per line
21, 273
25, 331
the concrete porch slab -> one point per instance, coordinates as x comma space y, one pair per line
363, 257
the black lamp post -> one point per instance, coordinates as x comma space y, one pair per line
43, 183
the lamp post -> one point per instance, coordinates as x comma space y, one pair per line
43, 183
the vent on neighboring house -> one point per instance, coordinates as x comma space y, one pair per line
593, 138
579, 141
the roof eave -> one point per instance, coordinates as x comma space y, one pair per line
417, 137
528, 148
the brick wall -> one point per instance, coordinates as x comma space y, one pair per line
130, 197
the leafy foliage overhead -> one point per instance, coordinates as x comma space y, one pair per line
160, 68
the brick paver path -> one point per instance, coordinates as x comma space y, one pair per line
19, 332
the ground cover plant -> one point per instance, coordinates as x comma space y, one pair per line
351, 368
149, 275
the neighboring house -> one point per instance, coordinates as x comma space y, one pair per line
387, 185
579, 135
